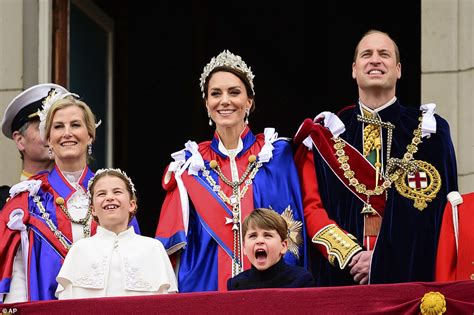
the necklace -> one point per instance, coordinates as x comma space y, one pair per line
343, 159
234, 201
409, 166
395, 167
84, 221
59, 235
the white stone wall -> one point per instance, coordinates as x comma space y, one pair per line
25, 60
447, 79
11, 81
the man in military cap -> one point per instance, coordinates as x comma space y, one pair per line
20, 123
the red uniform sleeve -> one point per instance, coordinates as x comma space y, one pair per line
314, 213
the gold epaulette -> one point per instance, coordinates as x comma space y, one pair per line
340, 246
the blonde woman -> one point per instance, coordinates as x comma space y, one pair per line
49, 212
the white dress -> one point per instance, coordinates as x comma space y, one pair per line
108, 264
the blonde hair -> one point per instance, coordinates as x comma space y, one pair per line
89, 117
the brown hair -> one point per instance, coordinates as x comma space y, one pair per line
373, 31
123, 177
266, 219
239, 74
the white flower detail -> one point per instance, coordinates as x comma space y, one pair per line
102, 170
53, 96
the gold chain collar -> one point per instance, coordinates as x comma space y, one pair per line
234, 201
84, 221
395, 168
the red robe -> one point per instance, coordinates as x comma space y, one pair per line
452, 264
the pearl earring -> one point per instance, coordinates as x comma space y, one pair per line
210, 120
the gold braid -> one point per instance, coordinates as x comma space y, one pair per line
371, 133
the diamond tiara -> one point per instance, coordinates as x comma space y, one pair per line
227, 59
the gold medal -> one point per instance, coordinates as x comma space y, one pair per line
422, 186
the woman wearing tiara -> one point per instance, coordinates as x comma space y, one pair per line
50, 211
212, 186
129, 264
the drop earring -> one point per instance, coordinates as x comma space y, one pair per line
89, 149
50, 153
247, 114
210, 120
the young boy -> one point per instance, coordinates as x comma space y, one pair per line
265, 242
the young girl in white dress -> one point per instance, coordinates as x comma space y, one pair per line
115, 261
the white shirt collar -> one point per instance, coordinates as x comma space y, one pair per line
231, 152
109, 234
378, 109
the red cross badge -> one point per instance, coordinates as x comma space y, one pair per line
421, 186
418, 180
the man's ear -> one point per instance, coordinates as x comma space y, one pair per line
19, 139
